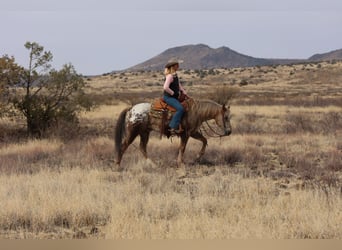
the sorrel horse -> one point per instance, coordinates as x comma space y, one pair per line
138, 120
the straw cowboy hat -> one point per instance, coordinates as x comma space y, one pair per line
172, 63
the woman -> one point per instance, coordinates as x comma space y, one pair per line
172, 90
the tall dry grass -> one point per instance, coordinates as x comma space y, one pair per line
140, 205
245, 187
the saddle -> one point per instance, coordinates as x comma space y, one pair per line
160, 104
161, 114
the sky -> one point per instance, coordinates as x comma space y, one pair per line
99, 36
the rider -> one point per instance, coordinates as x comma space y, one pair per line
172, 89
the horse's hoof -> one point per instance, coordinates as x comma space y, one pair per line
151, 163
117, 168
181, 172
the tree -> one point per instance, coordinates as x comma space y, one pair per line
46, 97
10, 74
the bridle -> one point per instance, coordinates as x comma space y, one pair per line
216, 134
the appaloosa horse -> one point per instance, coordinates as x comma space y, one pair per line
137, 120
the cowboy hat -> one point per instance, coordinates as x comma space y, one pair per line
172, 63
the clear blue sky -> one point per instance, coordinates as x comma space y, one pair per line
98, 36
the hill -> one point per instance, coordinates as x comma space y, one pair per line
202, 56
332, 55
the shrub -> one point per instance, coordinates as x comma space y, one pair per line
224, 94
297, 122
243, 82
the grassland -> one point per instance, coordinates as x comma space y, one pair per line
278, 176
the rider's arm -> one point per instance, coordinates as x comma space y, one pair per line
182, 89
168, 81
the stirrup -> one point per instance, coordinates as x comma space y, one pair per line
175, 131
172, 131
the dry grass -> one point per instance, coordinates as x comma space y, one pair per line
247, 186
278, 176
105, 112
141, 205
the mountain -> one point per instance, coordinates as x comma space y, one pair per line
332, 55
201, 56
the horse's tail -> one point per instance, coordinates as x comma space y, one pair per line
120, 130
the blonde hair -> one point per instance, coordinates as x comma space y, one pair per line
170, 70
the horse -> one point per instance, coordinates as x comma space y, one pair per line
138, 120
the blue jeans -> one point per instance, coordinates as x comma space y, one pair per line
177, 117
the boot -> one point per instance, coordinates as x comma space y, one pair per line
174, 131
180, 129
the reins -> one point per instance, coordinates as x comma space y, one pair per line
212, 132
216, 135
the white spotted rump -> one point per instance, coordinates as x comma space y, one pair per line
138, 112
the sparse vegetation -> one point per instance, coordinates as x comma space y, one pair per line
278, 176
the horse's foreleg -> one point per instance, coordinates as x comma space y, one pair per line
198, 136
181, 167
181, 150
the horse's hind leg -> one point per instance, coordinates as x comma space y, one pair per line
144, 136
124, 145
198, 136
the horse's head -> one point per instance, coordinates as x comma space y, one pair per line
222, 119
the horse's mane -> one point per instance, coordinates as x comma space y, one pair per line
202, 109
203, 106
